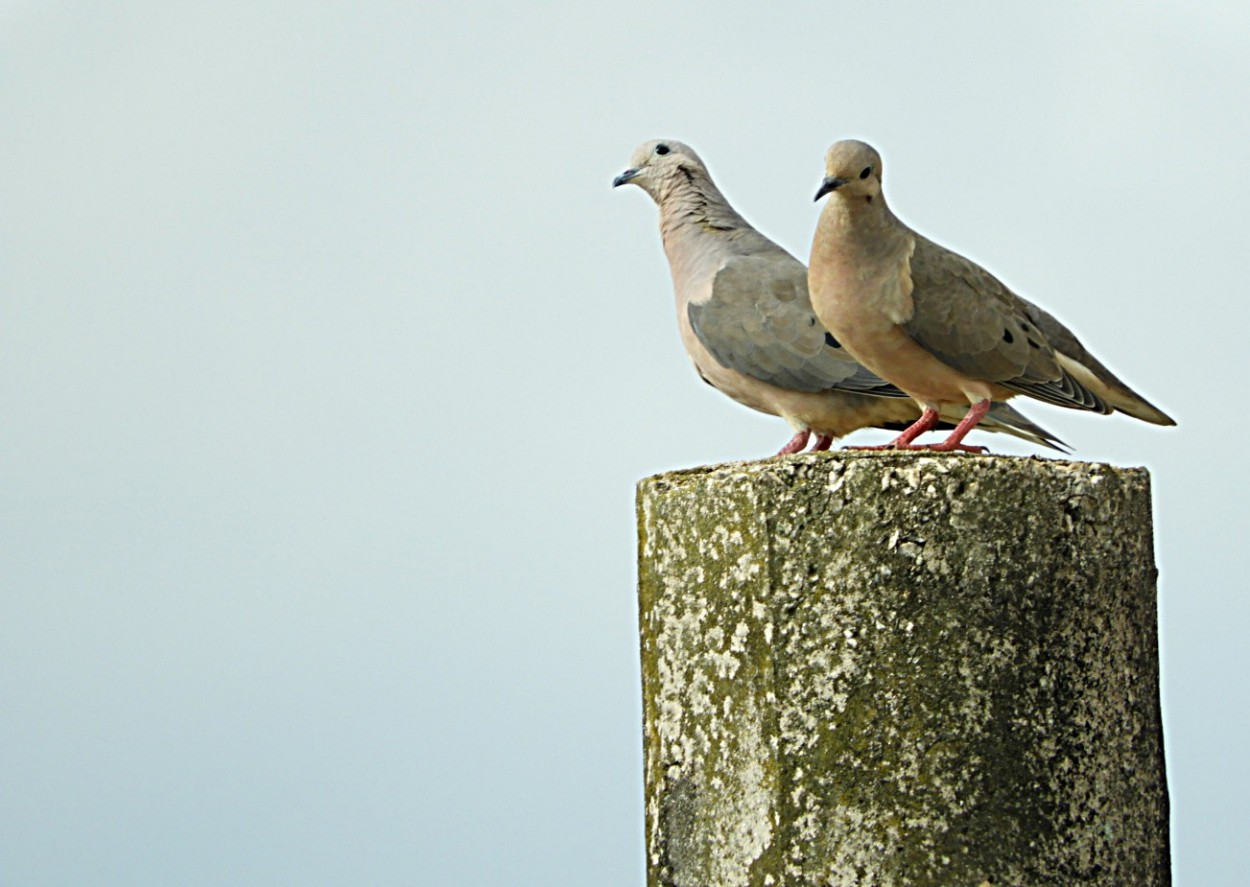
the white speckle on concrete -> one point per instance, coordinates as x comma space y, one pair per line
778, 717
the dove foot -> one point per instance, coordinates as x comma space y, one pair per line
926, 421
823, 442
796, 444
946, 447
975, 414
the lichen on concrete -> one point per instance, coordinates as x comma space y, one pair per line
891, 669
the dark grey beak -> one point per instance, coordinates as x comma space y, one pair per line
830, 184
624, 177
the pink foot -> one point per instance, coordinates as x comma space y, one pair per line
796, 444
976, 413
945, 447
926, 421
823, 442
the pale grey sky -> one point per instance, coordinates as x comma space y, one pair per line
330, 359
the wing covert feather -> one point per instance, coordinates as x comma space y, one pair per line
759, 321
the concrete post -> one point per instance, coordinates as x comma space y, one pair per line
893, 669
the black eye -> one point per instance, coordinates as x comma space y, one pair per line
662, 149
866, 172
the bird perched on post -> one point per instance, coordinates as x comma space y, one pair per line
746, 319
935, 324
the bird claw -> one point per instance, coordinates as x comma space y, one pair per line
936, 448
796, 444
950, 448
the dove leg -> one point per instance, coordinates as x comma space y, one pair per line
795, 445
927, 420
975, 414
823, 442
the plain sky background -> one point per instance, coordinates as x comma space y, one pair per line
329, 360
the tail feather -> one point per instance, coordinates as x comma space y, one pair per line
1009, 420
1097, 378
1090, 371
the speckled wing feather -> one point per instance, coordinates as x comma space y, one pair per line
759, 321
969, 320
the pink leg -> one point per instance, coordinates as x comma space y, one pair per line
926, 421
975, 414
795, 445
823, 442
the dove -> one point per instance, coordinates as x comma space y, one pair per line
746, 319
935, 324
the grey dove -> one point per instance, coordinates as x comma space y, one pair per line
935, 324
747, 322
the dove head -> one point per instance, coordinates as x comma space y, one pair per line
657, 163
852, 172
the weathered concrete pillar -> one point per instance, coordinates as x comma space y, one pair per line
889, 669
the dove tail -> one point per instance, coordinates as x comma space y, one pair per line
1100, 380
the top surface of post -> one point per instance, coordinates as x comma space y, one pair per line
959, 464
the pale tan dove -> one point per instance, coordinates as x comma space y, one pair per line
747, 322
935, 324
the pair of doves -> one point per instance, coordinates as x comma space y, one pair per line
896, 332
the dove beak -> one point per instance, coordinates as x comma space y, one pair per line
625, 177
832, 183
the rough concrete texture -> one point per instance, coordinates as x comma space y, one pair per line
889, 669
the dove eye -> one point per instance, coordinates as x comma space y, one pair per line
866, 172
662, 149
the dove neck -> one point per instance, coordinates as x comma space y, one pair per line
855, 219
859, 212
689, 199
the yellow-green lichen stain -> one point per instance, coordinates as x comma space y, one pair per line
895, 669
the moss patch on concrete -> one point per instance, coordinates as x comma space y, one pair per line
891, 669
